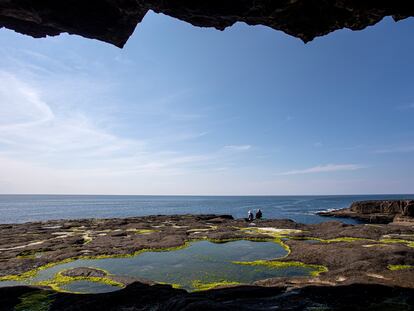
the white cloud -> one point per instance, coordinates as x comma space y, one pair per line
396, 149
405, 106
324, 169
28, 126
237, 147
20, 105
49, 148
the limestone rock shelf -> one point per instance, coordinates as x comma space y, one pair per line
379, 211
351, 253
114, 21
368, 266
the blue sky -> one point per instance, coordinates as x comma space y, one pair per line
185, 110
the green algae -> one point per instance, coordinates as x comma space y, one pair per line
278, 235
317, 269
346, 239
87, 239
277, 239
31, 256
399, 267
408, 243
59, 280
223, 241
35, 301
144, 231
28, 254
255, 239
334, 240
32, 273
199, 285
173, 285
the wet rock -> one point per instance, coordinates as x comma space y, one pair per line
138, 296
84, 272
352, 253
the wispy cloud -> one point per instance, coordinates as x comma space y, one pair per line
405, 106
395, 149
237, 147
29, 127
324, 169
76, 151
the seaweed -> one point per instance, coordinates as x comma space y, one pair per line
399, 267
317, 269
199, 285
408, 243
60, 279
35, 301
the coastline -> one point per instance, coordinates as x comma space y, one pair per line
25, 247
346, 257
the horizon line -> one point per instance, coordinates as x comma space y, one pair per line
205, 195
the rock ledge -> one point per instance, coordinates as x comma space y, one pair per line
114, 21
380, 211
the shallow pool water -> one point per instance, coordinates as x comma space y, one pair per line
88, 287
200, 262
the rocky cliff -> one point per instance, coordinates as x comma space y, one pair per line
113, 21
380, 211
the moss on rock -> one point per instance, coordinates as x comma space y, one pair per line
408, 243
144, 231
317, 269
60, 279
35, 301
399, 267
199, 285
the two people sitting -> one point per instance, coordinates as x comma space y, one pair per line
250, 215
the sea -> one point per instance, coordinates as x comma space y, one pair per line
28, 208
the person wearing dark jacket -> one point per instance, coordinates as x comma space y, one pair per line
249, 216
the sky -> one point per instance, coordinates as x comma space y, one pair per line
197, 111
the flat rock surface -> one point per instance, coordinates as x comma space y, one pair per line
352, 253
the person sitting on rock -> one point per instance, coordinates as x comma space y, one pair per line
249, 215
258, 214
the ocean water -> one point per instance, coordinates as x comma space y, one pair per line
25, 208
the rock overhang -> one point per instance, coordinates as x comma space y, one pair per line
114, 21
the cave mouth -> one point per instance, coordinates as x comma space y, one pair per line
115, 21
198, 266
